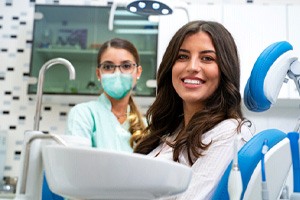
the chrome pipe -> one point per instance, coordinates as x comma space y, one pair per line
41, 78
27, 155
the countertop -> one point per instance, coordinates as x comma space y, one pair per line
5, 196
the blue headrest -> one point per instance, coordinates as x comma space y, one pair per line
254, 96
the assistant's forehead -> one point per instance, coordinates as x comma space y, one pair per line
116, 55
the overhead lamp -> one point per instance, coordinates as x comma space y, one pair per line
147, 7
157, 7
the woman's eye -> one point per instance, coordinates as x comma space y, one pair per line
126, 66
207, 58
108, 66
182, 57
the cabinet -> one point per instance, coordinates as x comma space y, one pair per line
76, 33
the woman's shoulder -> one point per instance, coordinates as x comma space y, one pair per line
234, 123
229, 123
230, 127
89, 105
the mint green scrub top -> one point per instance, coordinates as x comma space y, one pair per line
95, 121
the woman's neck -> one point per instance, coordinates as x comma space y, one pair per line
189, 110
119, 108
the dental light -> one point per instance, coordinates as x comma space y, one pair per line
147, 7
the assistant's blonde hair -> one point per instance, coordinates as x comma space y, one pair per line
137, 125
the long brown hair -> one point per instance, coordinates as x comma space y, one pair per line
135, 117
166, 113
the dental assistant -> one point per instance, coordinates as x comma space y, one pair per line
113, 121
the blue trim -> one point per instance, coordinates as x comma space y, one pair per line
254, 97
294, 144
47, 194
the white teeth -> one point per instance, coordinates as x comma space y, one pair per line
189, 81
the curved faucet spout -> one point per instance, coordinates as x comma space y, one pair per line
41, 78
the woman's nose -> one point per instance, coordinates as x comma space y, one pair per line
117, 69
193, 65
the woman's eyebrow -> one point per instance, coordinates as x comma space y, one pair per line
184, 50
107, 62
208, 51
127, 61
123, 61
201, 52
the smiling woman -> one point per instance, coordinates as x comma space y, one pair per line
197, 122
195, 74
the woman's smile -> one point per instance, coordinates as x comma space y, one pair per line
195, 74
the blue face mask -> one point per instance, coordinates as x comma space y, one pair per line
116, 85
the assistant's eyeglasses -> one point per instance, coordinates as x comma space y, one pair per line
109, 68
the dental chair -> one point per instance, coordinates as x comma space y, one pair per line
272, 167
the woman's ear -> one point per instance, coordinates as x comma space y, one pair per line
98, 74
139, 72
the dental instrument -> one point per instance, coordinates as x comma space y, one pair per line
264, 192
235, 184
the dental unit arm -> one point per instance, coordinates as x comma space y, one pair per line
294, 73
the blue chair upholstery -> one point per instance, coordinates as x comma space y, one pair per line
47, 194
294, 143
256, 100
248, 158
254, 96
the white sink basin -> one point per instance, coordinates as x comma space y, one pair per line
88, 173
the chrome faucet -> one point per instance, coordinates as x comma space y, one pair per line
33, 136
41, 77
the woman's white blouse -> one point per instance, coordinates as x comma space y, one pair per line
209, 168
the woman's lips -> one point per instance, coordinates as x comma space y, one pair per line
192, 81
